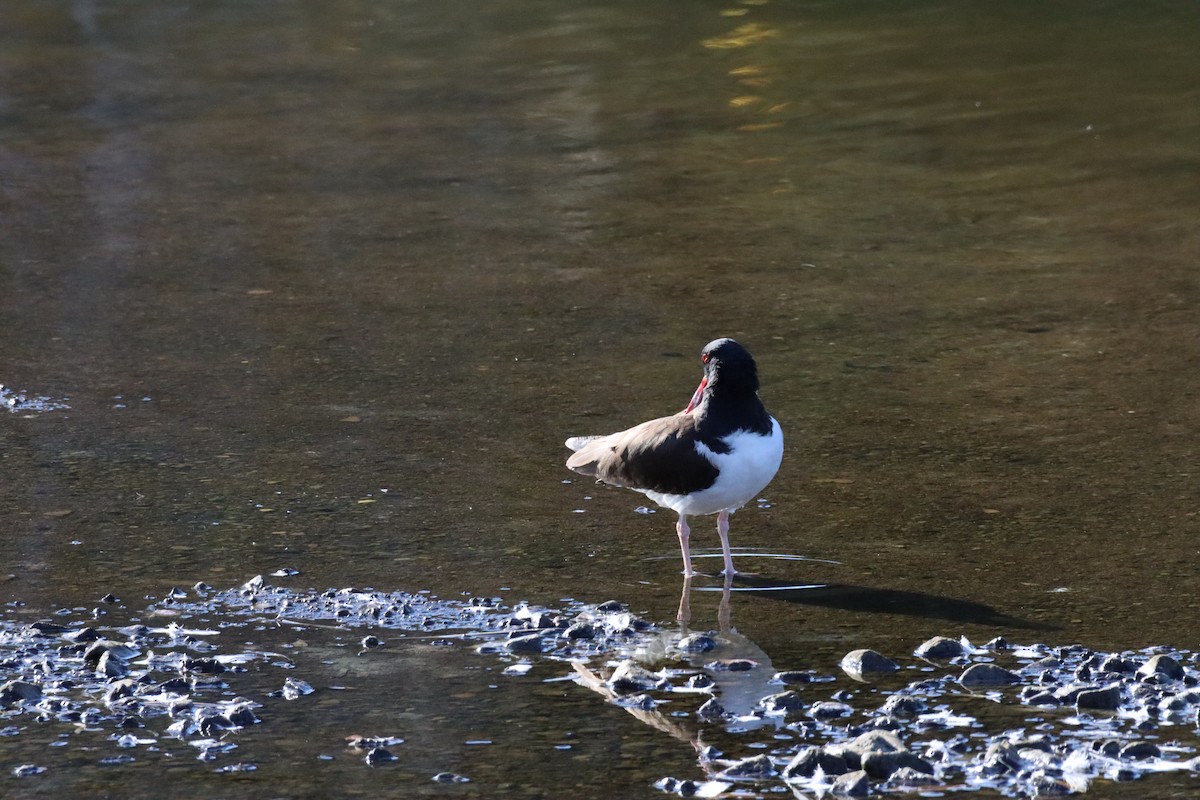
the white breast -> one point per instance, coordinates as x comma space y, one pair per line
750, 464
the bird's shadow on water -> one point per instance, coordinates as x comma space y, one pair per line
867, 600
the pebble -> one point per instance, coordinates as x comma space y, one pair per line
60, 673
859, 664
697, 643
450, 777
1106, 699
783, 702
1162, 665
940, 648
979, 675
758, 767
851, 784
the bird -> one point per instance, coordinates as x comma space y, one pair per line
712, 457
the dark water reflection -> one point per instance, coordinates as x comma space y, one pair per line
327, 284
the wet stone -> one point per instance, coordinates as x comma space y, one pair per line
83, 635
294, 689
525, 644
111, 666
1140, 751
908, 778
940, 648
1161, 665
900, 705
26, 770
380, 755
629, 676
851, 784
783, 702
580, 630
20, 692
711, 711
697, 643
829, 709
1106, 699
731, 665
860, 663
793, 677
978, 675
809, 758
757, 767
450, 777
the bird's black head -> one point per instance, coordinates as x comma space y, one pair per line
729, 369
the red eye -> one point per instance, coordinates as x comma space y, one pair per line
705, 357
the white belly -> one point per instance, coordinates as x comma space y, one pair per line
745, 470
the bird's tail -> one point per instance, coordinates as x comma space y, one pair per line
577, 443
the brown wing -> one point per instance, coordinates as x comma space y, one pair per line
658, 456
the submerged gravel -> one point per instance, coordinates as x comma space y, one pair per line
1023, 720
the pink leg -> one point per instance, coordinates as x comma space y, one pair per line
685, 532
723, 532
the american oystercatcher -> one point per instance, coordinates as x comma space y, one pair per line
710, 458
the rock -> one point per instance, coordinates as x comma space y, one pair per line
293, 689
380, 755
979, 675
907, 777
782, 702
901, 705
1117, 664
806, 761
874, 742
629, 677
111, 666
711, 711
96, 650
25, 770
1041, 698
580, 630
643, 701
370, 642
1047, 786
882, 765
793, 676
754, 768
450, 777
609, 606
731, 665
1106, 699
20, 692
939, 648
697, 643
531, 643
851, 784
1162, 665
204, 666
1001, 758
243, 716
1140, 751
82, 636
829, 709
860, 663
118, 689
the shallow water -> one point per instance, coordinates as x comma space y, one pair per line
325, 286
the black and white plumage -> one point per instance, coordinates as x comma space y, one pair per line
711, 458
